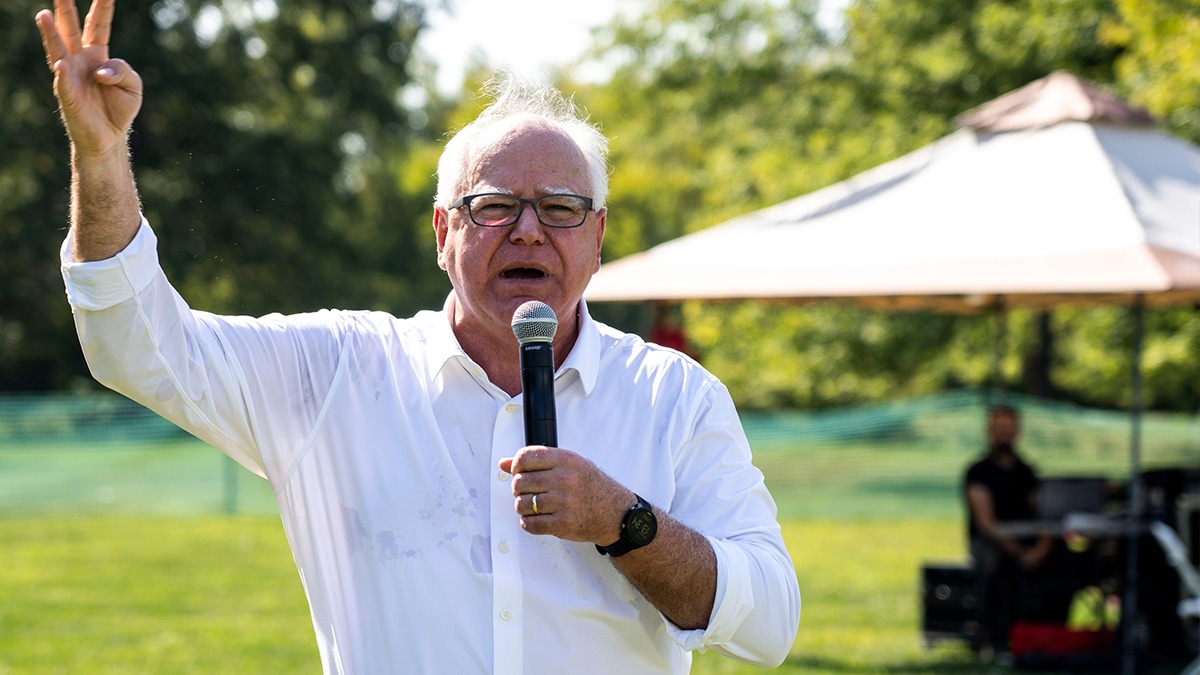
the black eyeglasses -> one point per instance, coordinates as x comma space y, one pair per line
495, 209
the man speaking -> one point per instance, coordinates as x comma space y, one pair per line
429, 537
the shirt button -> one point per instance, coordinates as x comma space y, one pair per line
505, 614
503, 475
510, 407
503, 547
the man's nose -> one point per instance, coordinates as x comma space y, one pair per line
528, 229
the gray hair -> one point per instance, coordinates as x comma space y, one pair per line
511, 97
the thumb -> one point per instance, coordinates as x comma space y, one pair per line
117, 72
506, 464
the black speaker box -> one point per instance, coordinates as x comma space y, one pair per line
950, 603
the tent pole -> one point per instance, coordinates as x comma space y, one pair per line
1000, 315
1129, 604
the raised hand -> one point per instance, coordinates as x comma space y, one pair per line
99, 96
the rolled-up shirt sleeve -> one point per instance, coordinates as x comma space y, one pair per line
756, 612
101, 284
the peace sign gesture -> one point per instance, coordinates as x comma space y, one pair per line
99, 96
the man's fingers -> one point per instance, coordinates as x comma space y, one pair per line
533, 458
97, 28
66, 19
534, 505
51, 42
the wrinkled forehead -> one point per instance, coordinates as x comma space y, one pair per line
526, 153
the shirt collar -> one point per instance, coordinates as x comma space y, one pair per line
584, 358
441, 345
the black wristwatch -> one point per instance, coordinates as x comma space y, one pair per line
637, 530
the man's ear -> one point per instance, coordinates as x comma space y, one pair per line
601, 222
441, 227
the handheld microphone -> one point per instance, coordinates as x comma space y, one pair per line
535, 324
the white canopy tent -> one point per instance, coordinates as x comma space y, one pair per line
1082, 201
1054, 193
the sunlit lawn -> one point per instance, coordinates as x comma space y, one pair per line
221, 595
214, 594
145, 595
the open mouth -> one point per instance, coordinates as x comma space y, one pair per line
522, 273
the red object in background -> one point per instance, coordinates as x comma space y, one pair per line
1055, 639
668, 330
669, 336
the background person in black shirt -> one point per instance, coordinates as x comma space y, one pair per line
1001, 487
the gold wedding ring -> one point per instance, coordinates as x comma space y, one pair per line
535, 509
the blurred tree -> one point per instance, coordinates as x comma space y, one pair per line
1159, 67
1094, 357
933, 60
703, 95
273, 154
35, 326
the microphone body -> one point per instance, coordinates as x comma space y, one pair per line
537, 383
534, 324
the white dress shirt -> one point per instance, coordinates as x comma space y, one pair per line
382, 439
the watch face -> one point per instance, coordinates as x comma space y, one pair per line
642, 527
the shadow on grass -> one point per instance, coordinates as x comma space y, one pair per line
964, 666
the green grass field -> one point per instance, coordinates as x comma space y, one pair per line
221, 595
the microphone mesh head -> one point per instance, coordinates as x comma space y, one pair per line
534, 321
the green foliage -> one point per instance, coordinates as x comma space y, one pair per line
826, 355
704, 93
274, 158
941, 58
1094, 361
284, 162
34, 339
1160, 43
820, 356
